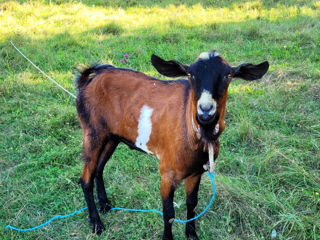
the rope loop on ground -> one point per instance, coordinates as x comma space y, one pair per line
122, 209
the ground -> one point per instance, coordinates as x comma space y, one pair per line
267, 175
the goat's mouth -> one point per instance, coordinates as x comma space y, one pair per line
205, 119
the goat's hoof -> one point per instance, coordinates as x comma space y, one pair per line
167, 237
193, 236
106, 208
191, 233
98, 227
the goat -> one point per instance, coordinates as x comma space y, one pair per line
178, 121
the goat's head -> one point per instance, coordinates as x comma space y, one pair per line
209, 77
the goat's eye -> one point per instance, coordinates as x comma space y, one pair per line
227, 77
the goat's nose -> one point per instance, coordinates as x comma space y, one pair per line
206, 113
206, 108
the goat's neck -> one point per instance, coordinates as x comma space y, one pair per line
192, 124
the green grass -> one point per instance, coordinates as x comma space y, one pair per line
268, 170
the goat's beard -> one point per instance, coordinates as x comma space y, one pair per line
209, 133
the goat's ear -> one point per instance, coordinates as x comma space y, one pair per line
250, 71
169, 68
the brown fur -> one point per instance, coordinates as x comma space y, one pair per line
114, 100
117, 96
109, 106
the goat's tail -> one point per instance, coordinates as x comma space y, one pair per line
86, 75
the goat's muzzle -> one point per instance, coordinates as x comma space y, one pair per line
205, 119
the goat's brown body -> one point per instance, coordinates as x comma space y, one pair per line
177, 121
119, 95
113, 100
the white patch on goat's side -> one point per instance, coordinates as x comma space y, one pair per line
205, 101
144, 129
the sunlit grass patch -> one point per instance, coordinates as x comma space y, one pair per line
111, 28
41, 20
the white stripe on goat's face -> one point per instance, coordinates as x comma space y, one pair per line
144, 129
207, 55
204, 55
206, 107
206, 104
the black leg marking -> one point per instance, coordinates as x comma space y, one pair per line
192, 201
98, 226
168, 216
101, 191
104, 202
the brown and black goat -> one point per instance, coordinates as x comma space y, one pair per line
176, 121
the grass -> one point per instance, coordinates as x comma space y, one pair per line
268, 169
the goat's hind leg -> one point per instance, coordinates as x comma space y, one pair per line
91, 154
101, 192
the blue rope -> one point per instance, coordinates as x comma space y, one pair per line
124, 209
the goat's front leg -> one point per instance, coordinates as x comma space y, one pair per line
167, 193
192, 187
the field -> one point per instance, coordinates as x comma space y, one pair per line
268, 172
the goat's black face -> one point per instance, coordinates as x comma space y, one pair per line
209, 76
